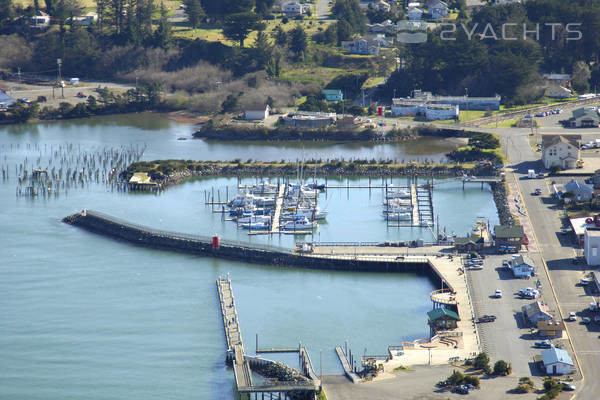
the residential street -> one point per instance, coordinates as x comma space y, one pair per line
557, 254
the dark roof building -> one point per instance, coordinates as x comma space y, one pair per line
509, 236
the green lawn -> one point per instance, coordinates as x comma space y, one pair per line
469, 115
303, 74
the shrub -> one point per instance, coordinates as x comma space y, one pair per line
482, 361
502, 368
472, 380
456, 378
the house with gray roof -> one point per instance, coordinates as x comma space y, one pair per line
582, 191
584, 117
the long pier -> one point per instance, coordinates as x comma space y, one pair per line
277, 214
241, 363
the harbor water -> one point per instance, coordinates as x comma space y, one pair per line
88, 317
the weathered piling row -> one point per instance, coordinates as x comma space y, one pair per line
205, 246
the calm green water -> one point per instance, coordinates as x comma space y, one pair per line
90, 318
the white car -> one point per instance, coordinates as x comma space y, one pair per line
498, 294
572, 316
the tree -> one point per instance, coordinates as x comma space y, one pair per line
238, 26
298, 41
273, 67
344, 31
280, 36
7, 13
482, 361
194, 11
502, 368
230, 104
162, 35
580, 78
330, 35
263, 7
263, 49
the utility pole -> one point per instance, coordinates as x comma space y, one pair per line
60, 81
19, 73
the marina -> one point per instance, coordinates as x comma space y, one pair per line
107, 296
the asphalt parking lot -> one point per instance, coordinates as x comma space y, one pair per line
508, 338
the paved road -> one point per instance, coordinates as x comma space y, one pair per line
558, 254
322, 9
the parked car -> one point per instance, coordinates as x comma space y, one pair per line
538, 191
498, 294
572, 316
461, 389
543, 344
487, 318
568, 387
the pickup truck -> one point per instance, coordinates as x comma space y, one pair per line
487, 318
544, 344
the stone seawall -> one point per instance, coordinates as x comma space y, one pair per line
147, 237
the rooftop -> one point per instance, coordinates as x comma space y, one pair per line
551, 140
509, 231
554, 355
441, 312
585, 111
579, 225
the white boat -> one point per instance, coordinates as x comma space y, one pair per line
397, 194
426, 223
313, 213
397, 216
253, 218
396, 209
257, 225
299, 225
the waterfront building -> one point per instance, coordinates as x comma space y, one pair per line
463, 102
310, 120
591, 245
561, 150
535, 312
509, 236
468, 244
441, 111
257, 112
557, 361
442, 318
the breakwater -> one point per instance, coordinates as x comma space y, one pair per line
238, 251
171, 172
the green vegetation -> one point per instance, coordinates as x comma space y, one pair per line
502, 368
525, 385
552, 389
482, 362
321, 395
458, 378
481, 147
402, 368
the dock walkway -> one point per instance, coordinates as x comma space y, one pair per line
277, 213
415, 205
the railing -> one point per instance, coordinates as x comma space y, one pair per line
187, 236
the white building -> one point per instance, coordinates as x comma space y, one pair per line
521, 267
582, 191
405, 107
561, 150
591, 246
258, 112
293, 8
557, 361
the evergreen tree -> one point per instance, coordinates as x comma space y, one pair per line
280, 36
263, 7
263, 49
298, 41
194, 11
237, 27
162, 35
7, 13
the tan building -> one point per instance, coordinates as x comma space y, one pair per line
561, 150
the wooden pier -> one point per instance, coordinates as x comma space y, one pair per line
415, 205
348, 371
241, 363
